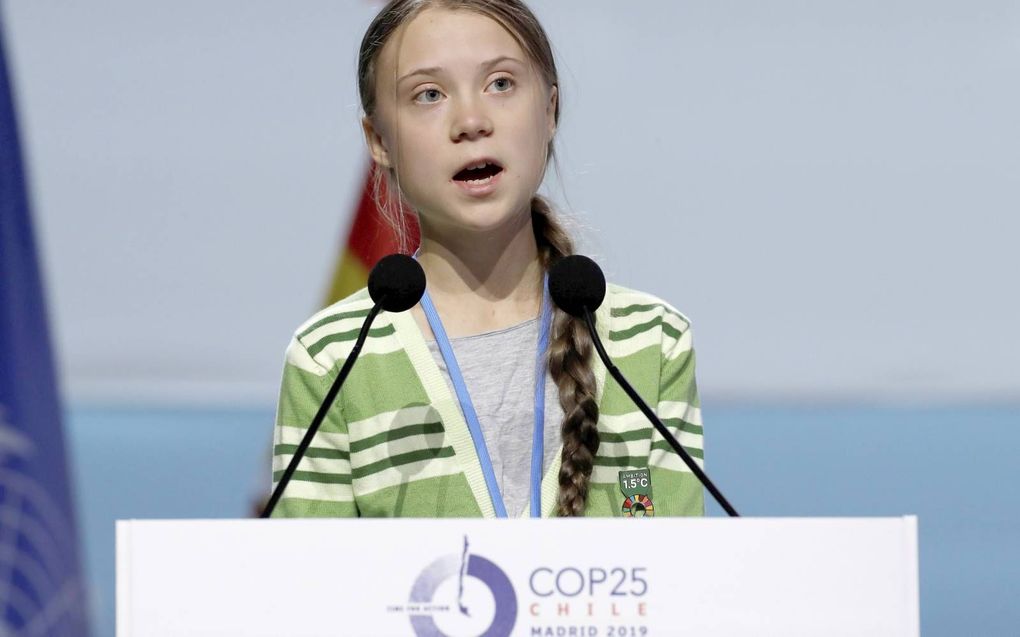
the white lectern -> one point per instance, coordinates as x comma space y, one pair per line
562, 577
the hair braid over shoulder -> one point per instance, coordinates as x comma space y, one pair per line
570, 355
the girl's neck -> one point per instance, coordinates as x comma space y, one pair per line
482, 282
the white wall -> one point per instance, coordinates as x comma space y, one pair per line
830, 190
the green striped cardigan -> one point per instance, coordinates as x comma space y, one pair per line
396, 444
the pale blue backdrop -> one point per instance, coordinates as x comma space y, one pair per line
954, 467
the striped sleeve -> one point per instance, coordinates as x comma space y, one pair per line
321, 485
680, 410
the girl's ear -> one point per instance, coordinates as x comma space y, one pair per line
550, 111
375, 143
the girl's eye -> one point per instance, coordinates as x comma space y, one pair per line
502, 84
428, 96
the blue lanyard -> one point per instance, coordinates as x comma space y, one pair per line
468, 409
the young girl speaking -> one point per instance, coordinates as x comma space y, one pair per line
483, 400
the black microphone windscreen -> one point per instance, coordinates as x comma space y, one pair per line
396, 282
575, 283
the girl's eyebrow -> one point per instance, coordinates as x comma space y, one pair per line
433, 70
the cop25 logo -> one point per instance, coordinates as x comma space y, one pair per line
486, 603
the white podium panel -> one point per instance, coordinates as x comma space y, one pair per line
564, 577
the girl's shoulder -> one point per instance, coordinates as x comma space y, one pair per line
629, 306
331, 332
358, 303
631, 321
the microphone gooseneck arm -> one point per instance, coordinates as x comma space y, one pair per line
647, 411
327, 402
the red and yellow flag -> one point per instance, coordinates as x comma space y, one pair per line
369, 239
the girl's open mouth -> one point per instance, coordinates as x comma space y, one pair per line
479, 175
480, 179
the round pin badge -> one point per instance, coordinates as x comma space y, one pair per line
639, 505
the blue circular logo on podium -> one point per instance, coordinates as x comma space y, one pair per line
469, 570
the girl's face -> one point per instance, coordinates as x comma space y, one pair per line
454, 91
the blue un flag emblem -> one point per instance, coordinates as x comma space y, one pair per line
41, 589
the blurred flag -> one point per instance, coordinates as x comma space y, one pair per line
41, 587
369, 239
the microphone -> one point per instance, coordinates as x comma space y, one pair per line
576, 283
578, 287
395, 284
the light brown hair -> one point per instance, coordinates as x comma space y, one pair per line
570, 348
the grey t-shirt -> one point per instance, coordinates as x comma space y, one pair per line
499, 371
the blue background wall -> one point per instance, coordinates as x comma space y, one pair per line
828, 189
954, 467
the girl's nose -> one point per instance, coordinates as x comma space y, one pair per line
470, 121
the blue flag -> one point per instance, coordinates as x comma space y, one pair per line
41, 587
